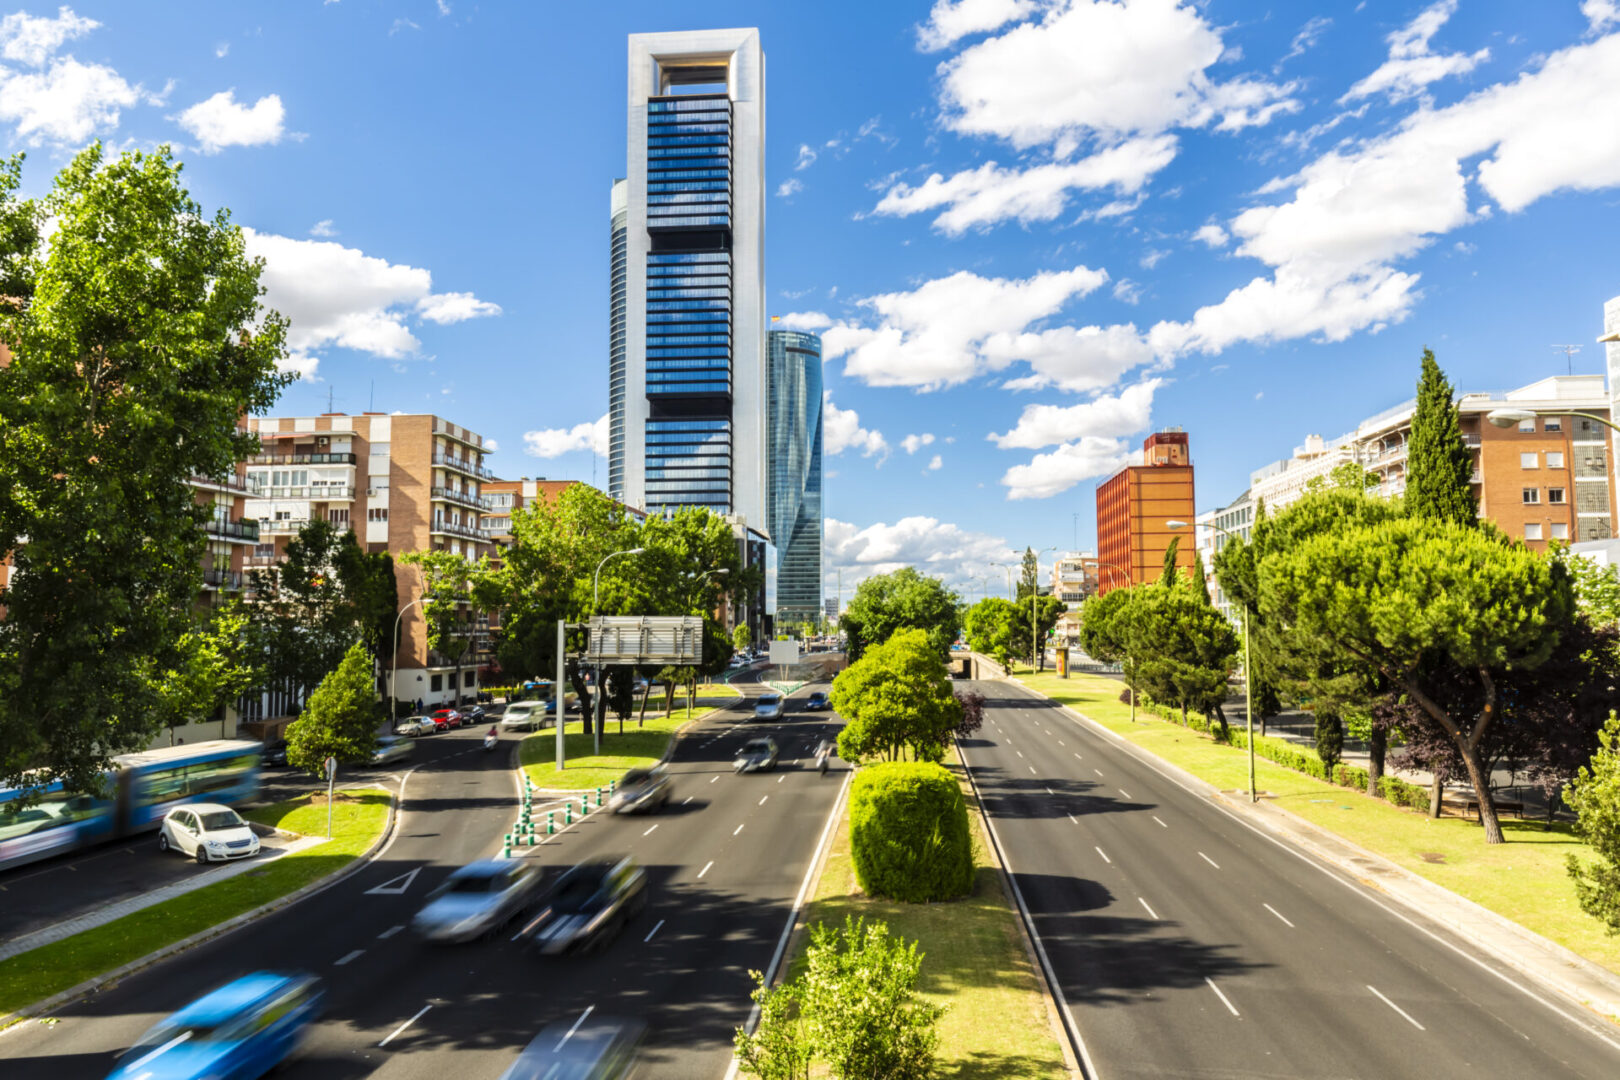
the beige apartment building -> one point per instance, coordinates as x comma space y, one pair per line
402, 483
1074, 577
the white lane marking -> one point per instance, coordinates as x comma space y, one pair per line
1071, 818
686, 800
392, 1035
588, 1010
762, 798
354, 955
1049, 791
1097, 771
1398, 1009
1125, 793
705, 869
779, 779
1104, 854
1062, 743
650, 829
651, 932
390, 932
1020, 753
1277, 913
1228, 1004
713, 779
1150, 911
1032, 771
1077, 754
1161, 824
395, 886
738, 829
1209, 860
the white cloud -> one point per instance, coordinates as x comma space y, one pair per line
66, 102
1211, 235
1305, 39
811, 321
951, 329
1127, 291
324, 227
789, 187
1153, 258
1102, 417
950, 22
446, 308
1600, 14
444, 8
555, 442
222, 50
1411, 66
1053, 473
841, 430
936, 463
336, 295
33, 39
914, 443
302, 365
490, 446
978, 198
402, 23
221, 121
807, 157
1072, 358
934, 547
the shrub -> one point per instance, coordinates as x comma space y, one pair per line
908, 832
1401, 793
1350, 776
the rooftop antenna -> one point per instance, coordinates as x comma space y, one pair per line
329, 389
1569, 352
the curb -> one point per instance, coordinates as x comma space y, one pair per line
1358, 863
56, 1001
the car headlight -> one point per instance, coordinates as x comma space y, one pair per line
215, 844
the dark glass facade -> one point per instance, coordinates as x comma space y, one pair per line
689, 463
795, 474
618, 290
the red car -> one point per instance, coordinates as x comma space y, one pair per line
444, 719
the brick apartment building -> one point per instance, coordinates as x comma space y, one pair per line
1133, 506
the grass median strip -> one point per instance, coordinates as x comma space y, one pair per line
358, 817
637, 746
974, 962
1523, 879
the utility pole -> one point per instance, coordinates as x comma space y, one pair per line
1569, 352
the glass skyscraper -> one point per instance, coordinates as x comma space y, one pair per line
795, 475
618, 291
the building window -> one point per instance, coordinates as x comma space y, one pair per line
435, 683
1560, 531
1532, 531
1555, 496
1527, 425
1586, 425
1532, 496
1555, 459
338, 517
1552, 423
377, 513
1528, 460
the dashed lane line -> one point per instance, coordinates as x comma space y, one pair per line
1151, 913
651, 932
395, 1033
1104, 854
390, 932
705, 869
1406, 1015
1209, 860
356, 954
1279, 915
1232, 1009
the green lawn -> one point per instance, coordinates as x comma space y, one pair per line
974, 963
1523, 880
356, 823
637, 747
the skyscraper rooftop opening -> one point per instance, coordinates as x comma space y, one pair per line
694, 78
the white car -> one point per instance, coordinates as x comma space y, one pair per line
208, 832
528, 715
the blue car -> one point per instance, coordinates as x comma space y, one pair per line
239, 1032
817, 701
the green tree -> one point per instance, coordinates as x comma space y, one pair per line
1419, 602
860, 991
1438, 463
449, 604
1167, 577
1105, 623
1185, 649
372, 589
1597, 587
214, 667
138, 343
782, 1046
1329, 734
307, 610
1594, 795
340, 718
1029, 574
988, 626
886, 603
742, 636
1044, 612
896, 697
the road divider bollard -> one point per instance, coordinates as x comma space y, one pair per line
551, 825
568, 813
506, 848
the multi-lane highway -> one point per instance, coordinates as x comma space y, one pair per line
1186, 944
725, 861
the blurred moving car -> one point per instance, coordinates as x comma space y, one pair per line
392, 748
472, 714
447, 718
641, 789
208, 832
477, 899
240, 1031
527, 716
769, 707
817, 701
593, 1048
415, 726
756, 755
588, 906
274, 753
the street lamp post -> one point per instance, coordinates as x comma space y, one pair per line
1248, 666
1508, 417
393, 673
1034, 596
601, 703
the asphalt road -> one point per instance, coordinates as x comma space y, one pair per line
1188, 945
725, 861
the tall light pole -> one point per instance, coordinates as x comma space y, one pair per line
1248, 667
393, 674
1034, 596
601, 703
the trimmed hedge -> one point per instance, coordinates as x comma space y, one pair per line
908, 832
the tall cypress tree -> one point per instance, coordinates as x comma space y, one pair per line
1438, 464
1168, 577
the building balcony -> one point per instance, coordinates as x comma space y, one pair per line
1471, 439
281, 526
465, 465
230, 485
443, 427
299, 457
245, 532
477, 502
450, 528
312, 492
262, 562
222, 579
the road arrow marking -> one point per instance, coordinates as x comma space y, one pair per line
389, 888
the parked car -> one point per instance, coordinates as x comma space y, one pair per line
769, 707
596, 1047
817, 701
478, 899
451, 718
756, 755
527, 716
208, 832
392, 748
641, 789
241, 1031
415, 726
588, 906
274, 753
472, 715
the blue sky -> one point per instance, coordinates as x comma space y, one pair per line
1032, 231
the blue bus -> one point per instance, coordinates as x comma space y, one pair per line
140, 789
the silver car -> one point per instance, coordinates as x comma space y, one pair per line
478, 899
527, 715
414, 726
769, 707
757, 755
641, 789
392, 748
